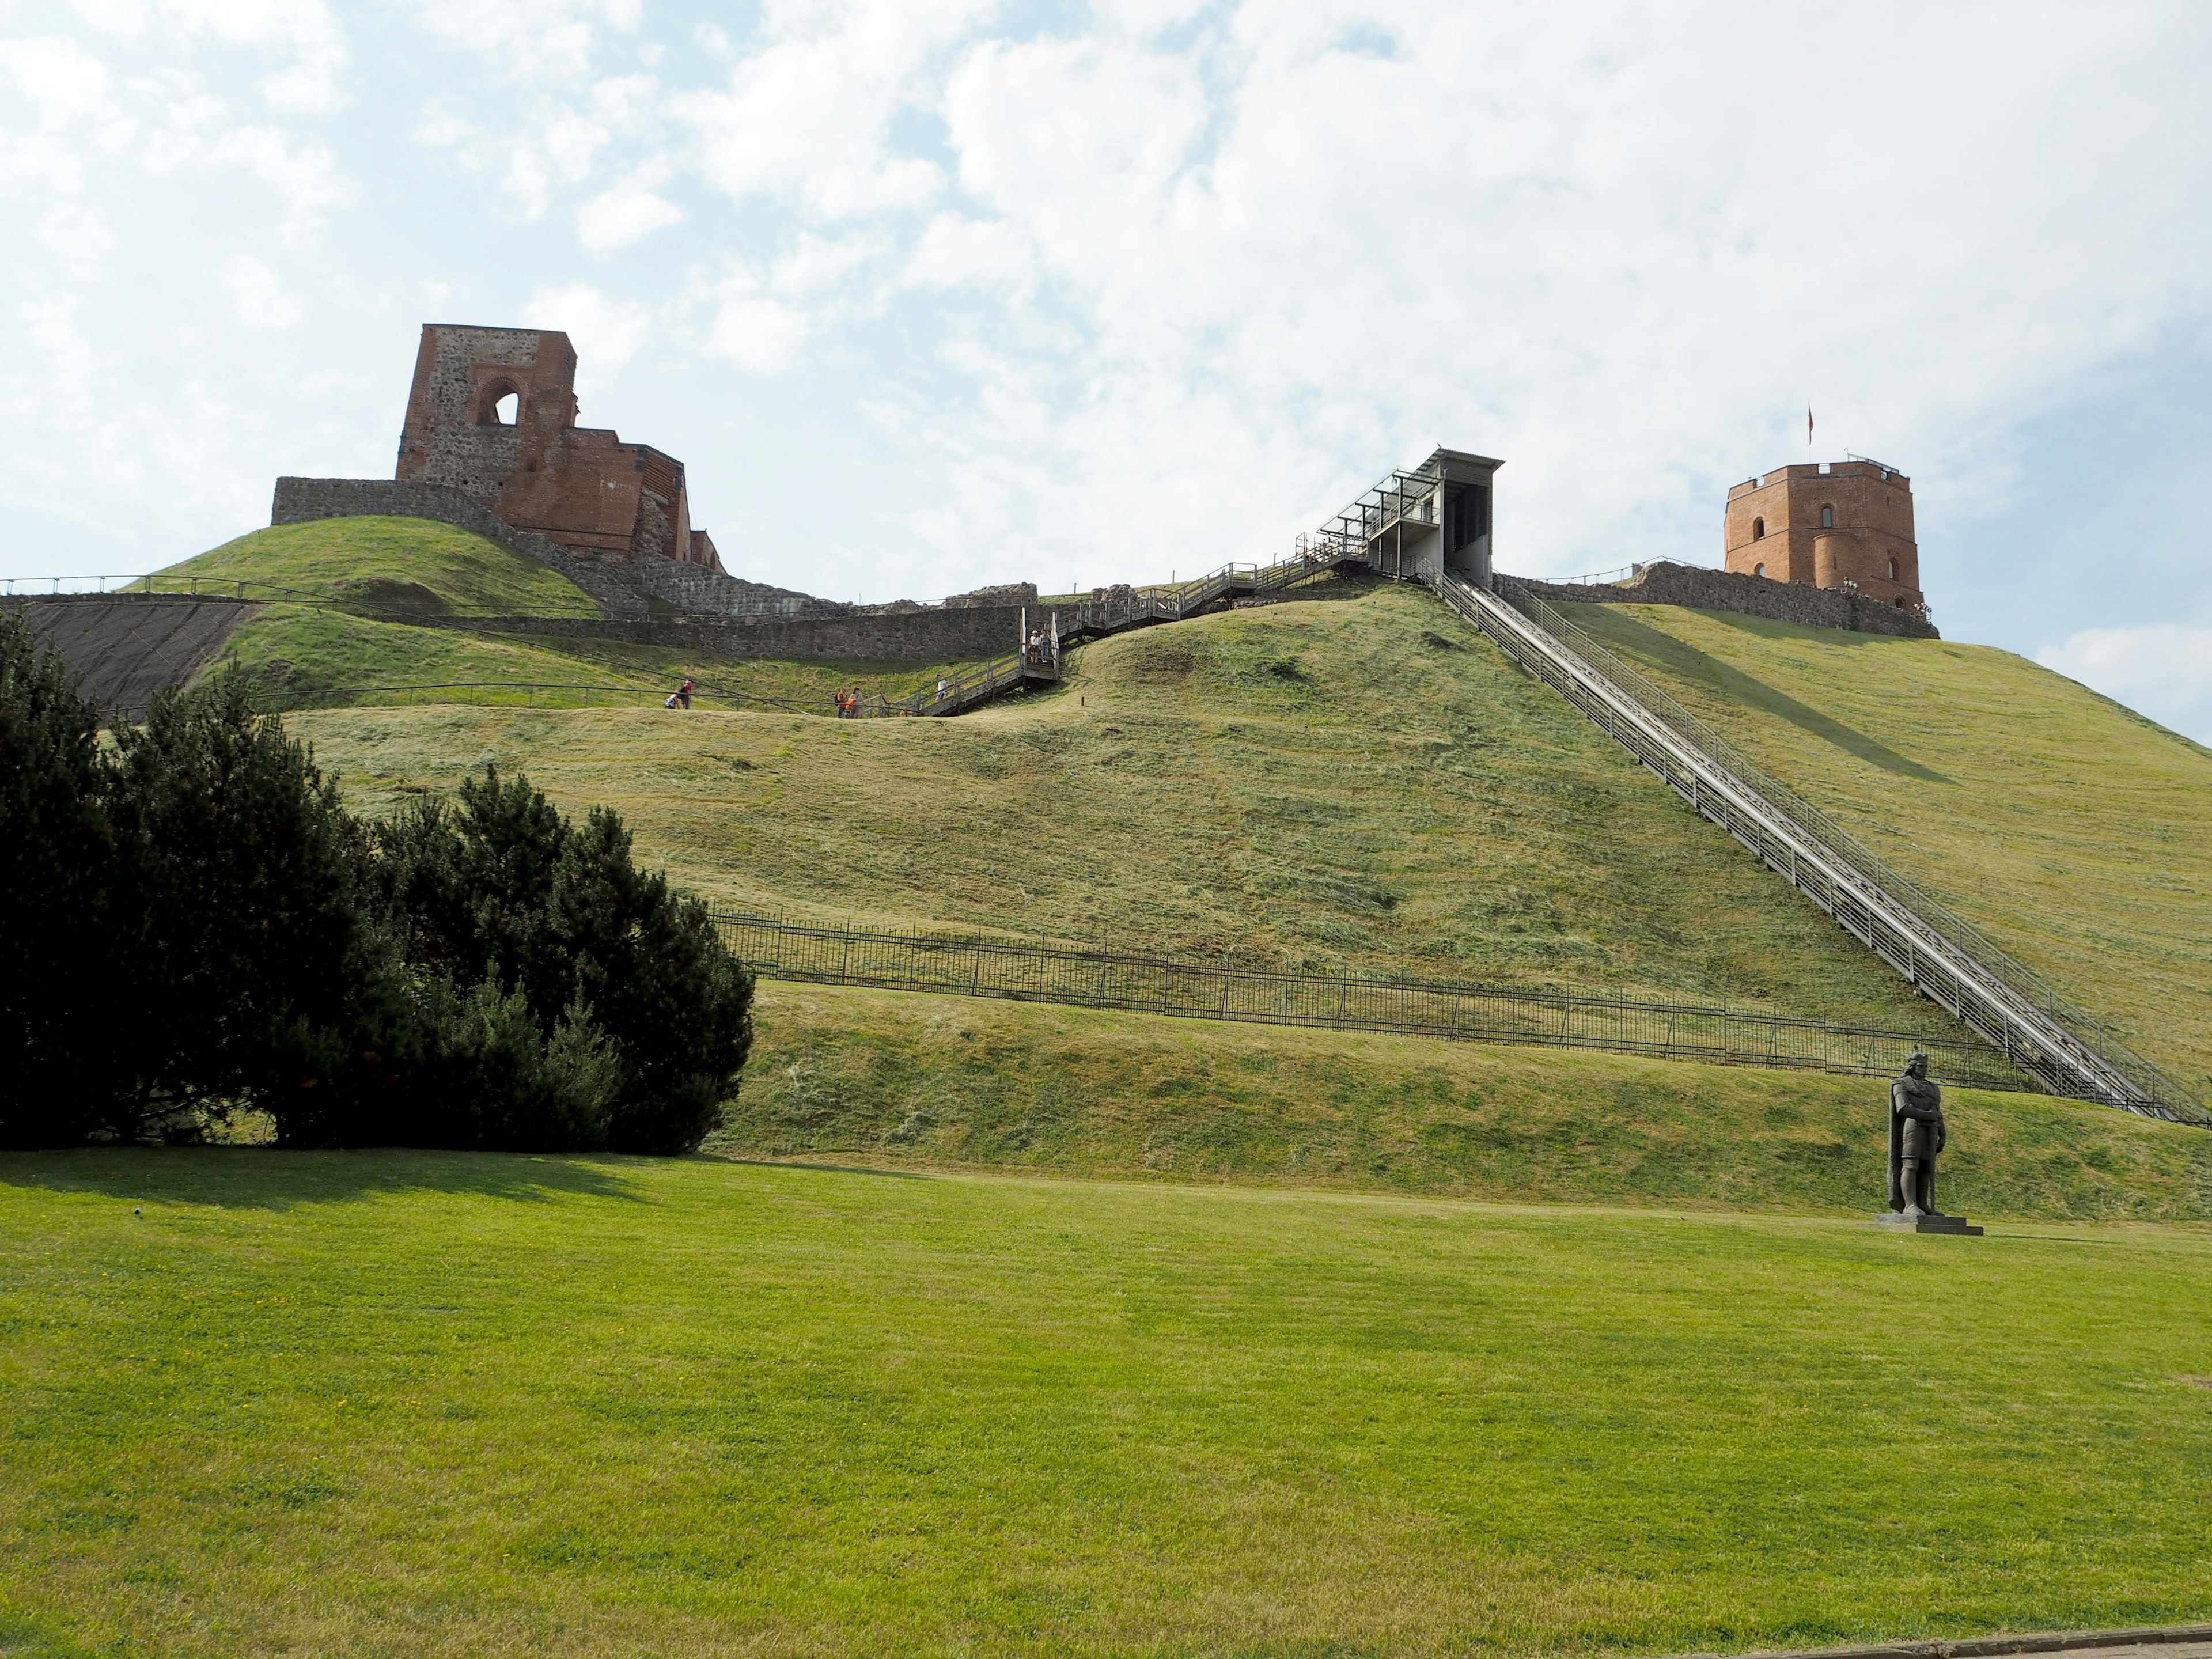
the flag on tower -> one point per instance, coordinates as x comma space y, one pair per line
1809, 426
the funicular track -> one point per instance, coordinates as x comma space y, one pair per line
2060, 1046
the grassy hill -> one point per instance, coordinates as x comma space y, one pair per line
384, 567
1361, 784
921, 1081
445, 1404
2071, 830
386, 563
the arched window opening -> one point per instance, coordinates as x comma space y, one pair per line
509, 405
1758, 529
1893, 570
1758, 570
1827, 518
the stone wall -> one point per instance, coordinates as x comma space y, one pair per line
299, 501
917, 636
1698, 589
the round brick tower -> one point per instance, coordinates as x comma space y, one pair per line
1844, 525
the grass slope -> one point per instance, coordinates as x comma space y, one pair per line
2071, 830
443, 1405
931, 1081
1362, 784
383, 564
379, 560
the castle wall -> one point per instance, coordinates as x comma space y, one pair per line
931, 637
1667, 583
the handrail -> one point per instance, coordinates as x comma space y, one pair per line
2065, 1049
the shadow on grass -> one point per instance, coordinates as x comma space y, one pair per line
829, 1168
1640, 639
264, 1178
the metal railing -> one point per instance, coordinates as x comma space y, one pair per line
971, 966
2065, 1049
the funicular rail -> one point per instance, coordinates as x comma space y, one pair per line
2061, 1046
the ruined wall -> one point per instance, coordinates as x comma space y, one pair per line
581, 487
1667, 583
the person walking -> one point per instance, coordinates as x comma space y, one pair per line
683, 694
940, 689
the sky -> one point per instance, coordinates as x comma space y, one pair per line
930, 295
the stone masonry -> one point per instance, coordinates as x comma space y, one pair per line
1665, 582
492, 413
1845, 525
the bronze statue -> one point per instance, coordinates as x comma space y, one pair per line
1916, 1133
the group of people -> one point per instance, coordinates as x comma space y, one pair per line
848, 703
1040, 647
680, 697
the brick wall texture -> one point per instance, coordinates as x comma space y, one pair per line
1845, 524
492, 414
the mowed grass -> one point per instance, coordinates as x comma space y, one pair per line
303, 649
1361, 785
381, 566
2073, 832
429, 1405
919, 1081
385, 561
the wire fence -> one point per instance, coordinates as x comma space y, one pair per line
966, 965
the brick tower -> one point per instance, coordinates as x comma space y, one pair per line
1844, 524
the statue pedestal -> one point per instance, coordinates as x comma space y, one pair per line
1895, 1223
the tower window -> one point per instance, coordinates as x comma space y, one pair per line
1758, 570
504, 410
1827, 518
1893, 570
1758, 529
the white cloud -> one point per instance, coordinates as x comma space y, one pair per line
302, 34
258, 295
553, 41
606, 332
807, 117
2163, 670
759, 333
626, 214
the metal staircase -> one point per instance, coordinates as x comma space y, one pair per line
1115, 613
2061, 1047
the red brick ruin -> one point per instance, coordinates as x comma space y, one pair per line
493, 414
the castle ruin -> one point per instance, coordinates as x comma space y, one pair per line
492, 414
1845, 525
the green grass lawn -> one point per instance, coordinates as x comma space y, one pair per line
384, 563
2076, 833
429, 1405
926, 1081
1363, 784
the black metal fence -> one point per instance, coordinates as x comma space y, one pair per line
980, 967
